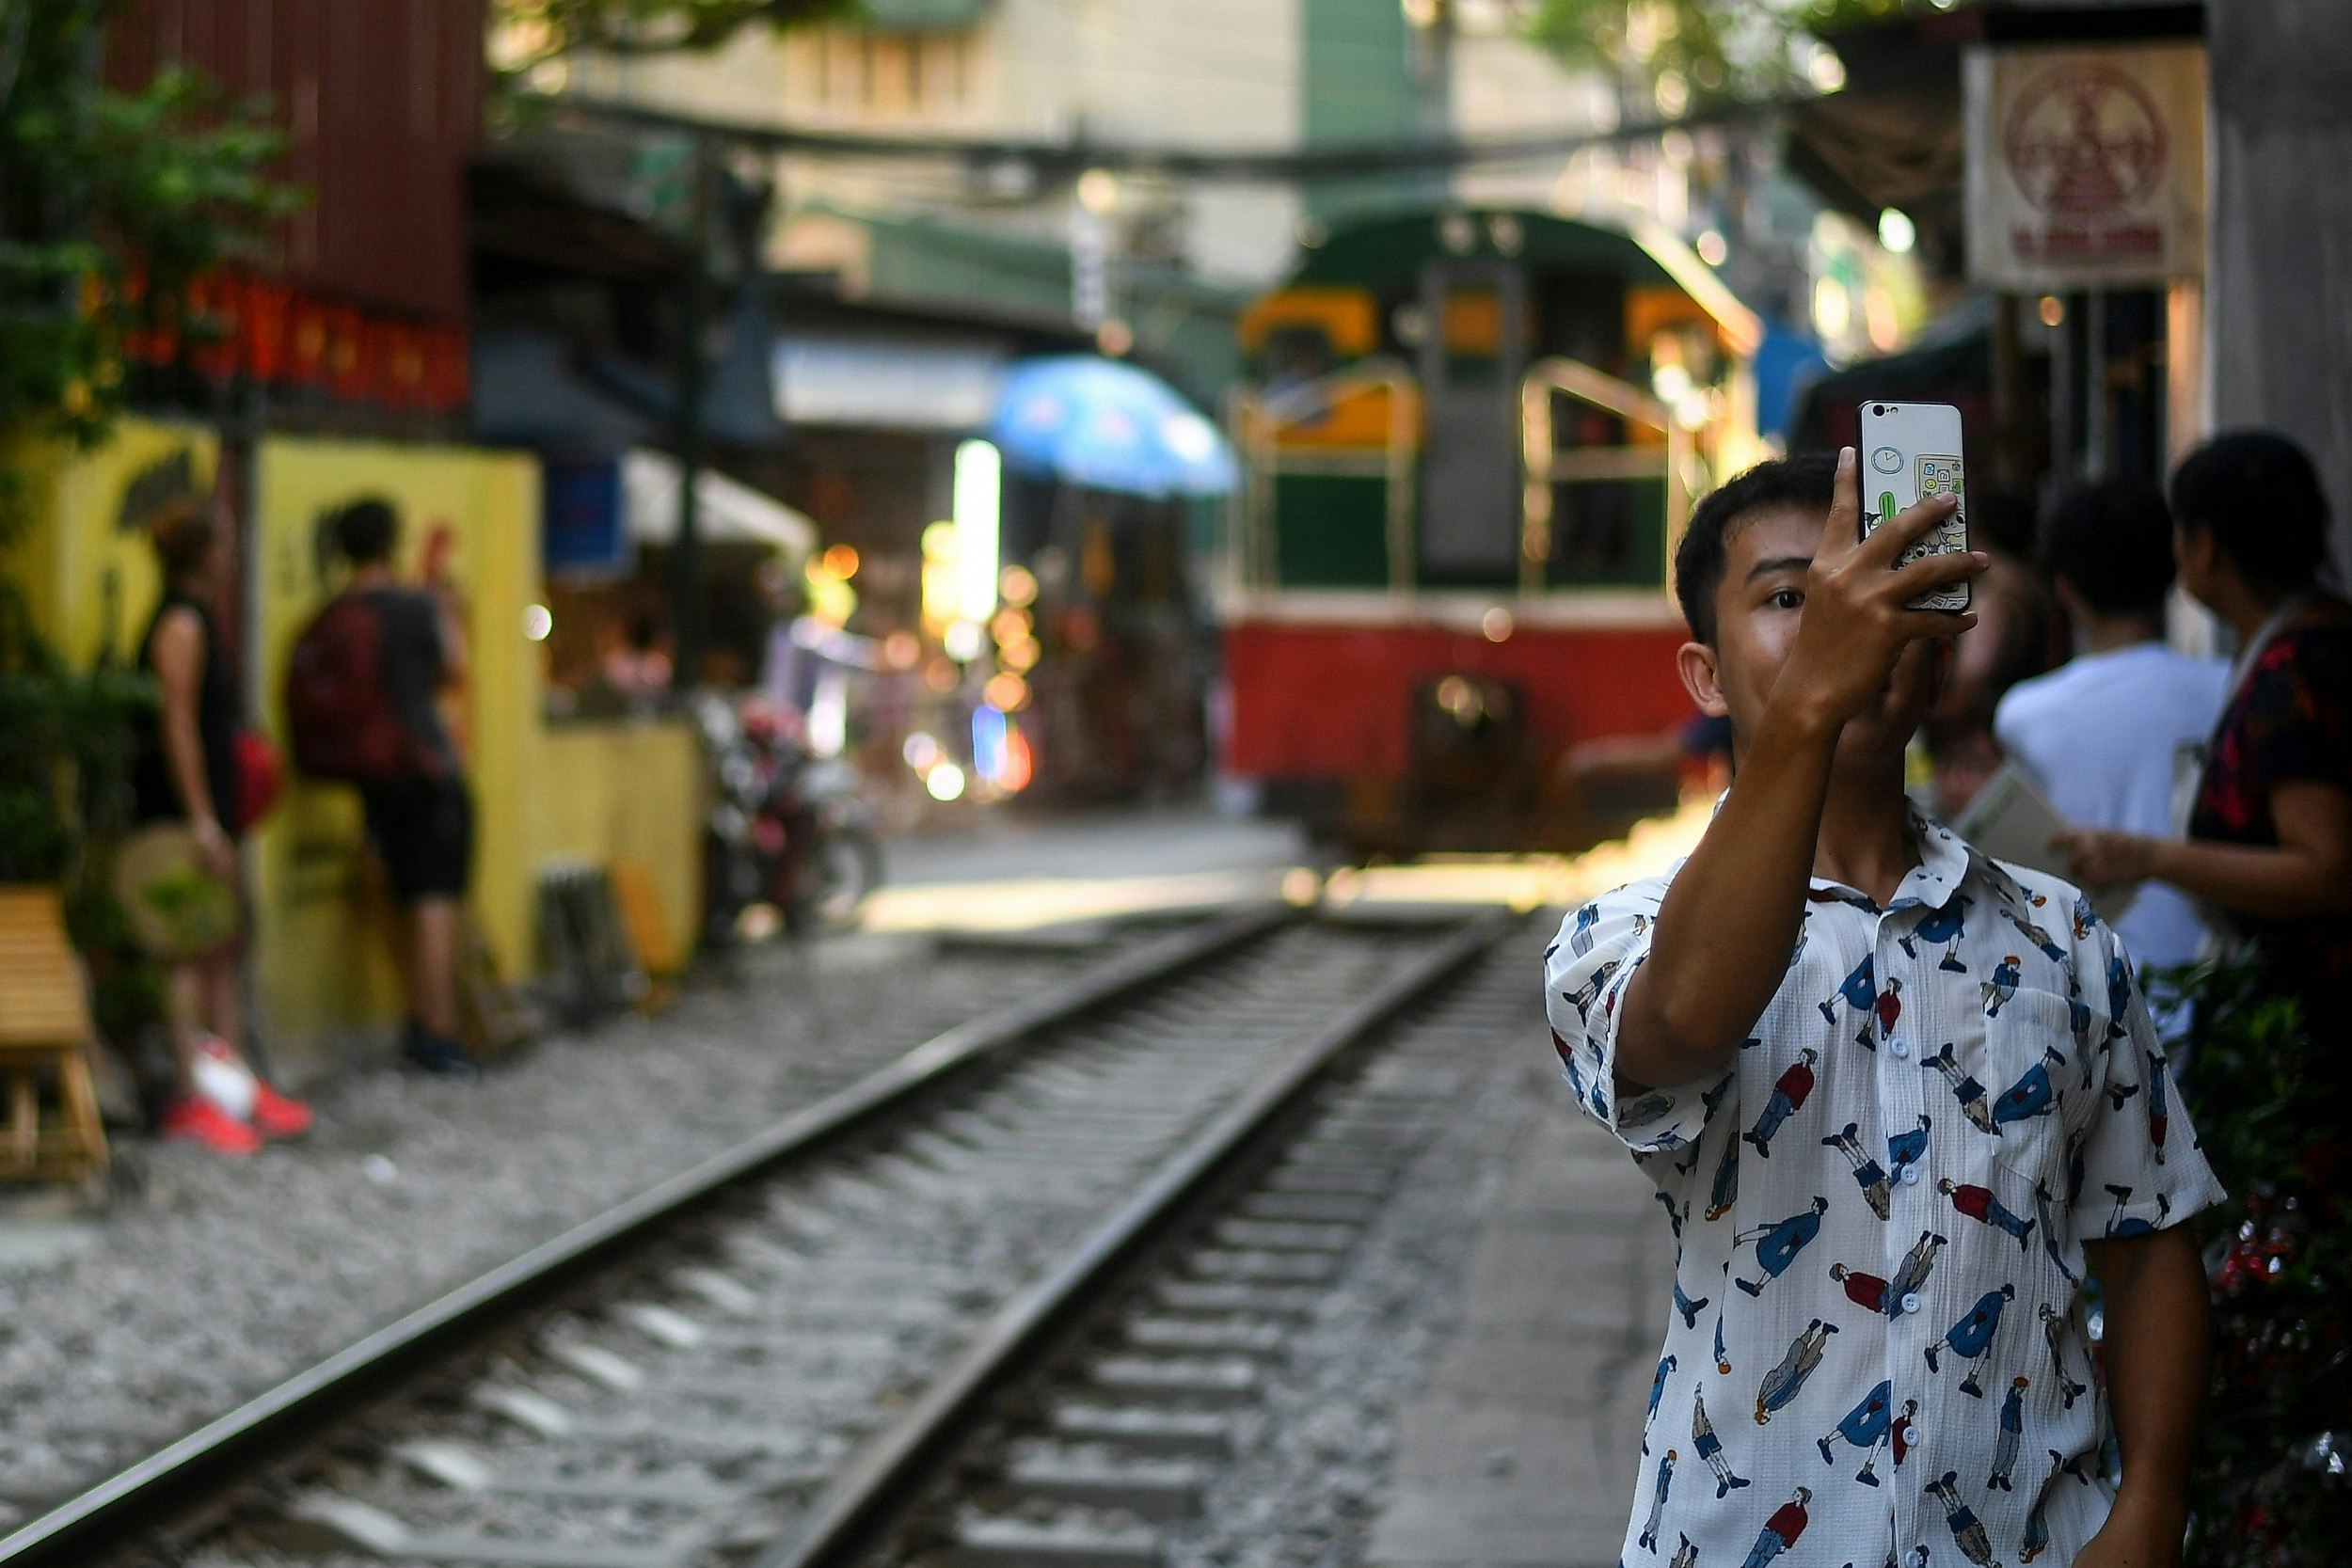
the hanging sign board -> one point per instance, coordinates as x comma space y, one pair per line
2085, 165
580, 534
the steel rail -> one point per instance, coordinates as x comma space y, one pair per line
78, 1531
838, 1524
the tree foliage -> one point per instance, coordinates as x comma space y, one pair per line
527, 34
111, 203
1692, 52
65, 768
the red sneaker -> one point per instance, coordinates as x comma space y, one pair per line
197, 1119
277, 1117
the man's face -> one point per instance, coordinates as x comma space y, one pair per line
1759, 607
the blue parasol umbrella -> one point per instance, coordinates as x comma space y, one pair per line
1109, 426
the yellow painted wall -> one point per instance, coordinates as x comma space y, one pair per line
322, 923
88, 570
321, 953
586, 791
623, 787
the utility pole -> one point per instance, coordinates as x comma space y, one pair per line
685, 564
2277, 346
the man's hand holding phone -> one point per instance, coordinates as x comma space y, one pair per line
1858, 618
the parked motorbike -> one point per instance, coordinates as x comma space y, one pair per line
786, 828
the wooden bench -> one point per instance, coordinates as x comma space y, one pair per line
44, 1020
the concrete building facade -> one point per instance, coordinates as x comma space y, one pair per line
1211, 75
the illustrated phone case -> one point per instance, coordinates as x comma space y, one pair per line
1910, 450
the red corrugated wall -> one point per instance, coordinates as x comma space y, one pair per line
382, 102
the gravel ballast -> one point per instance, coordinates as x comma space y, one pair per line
225, 1277
1312, 1457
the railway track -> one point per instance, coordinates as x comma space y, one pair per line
1182, 1371
761, 1360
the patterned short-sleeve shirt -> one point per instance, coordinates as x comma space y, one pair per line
1876, 1352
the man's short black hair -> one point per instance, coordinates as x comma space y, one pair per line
2000, 517
366, 531
2112, 540
2258, 494
1807, 480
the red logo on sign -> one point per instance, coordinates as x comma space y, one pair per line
2084, 140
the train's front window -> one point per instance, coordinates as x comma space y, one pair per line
1606, 530
1473, 335
1609, 532
1600, 495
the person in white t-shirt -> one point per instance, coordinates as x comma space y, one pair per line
2102, 730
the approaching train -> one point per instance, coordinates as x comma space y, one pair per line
1469, 441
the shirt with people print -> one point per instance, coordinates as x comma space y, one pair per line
1876, 1351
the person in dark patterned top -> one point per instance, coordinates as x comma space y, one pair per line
2270, 838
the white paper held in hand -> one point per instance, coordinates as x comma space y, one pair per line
2012, 820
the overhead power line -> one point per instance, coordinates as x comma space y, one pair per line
1067, 158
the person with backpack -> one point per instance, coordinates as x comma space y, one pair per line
186, 787
362, 707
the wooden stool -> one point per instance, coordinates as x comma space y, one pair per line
44, 1019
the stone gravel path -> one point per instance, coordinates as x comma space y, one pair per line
227, 1276
1469, 1395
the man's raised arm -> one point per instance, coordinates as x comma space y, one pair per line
1731, 919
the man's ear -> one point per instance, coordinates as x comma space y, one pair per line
2192, 549
2070, 600
1695, 663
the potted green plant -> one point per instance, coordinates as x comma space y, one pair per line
2271, 1488
64, 800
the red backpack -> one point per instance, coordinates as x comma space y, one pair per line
339, 714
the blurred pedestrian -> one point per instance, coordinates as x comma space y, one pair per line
637, 666
2011, 639
2010, 642
419, 816
2270, 836
1695, 755
186, 774
2102, 733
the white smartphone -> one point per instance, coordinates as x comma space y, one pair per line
1908, 451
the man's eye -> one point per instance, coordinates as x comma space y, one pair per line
1786, 598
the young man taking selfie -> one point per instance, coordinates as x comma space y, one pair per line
1901, 1101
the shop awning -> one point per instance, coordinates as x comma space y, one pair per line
882, 384
725, 510
738, 403
526, 394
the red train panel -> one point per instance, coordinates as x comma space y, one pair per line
1323, 701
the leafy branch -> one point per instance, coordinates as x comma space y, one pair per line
527, 34
111, 204
1679, 54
